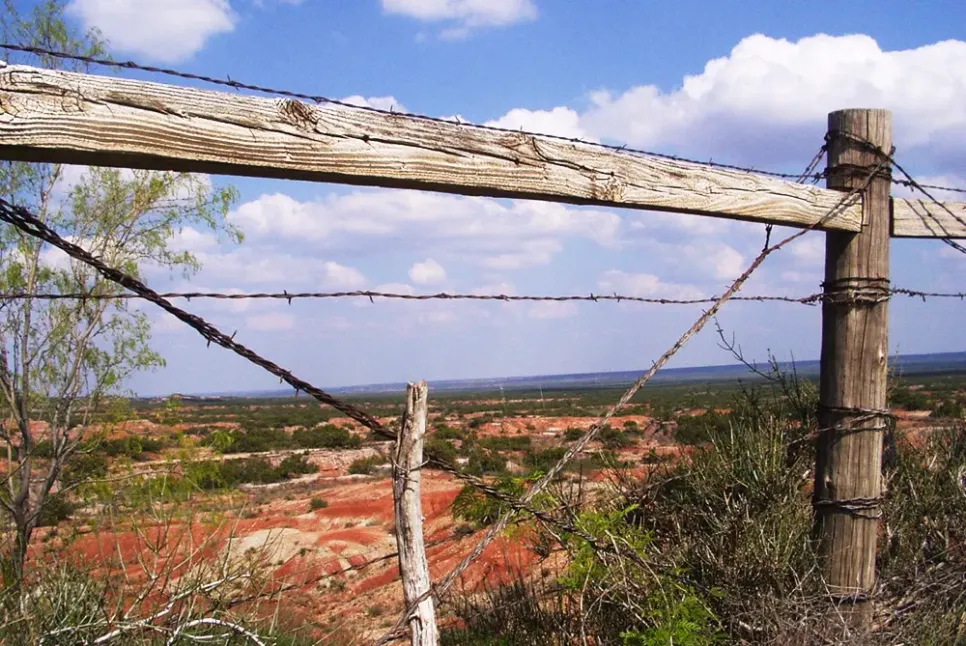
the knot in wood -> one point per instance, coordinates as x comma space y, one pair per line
298, 114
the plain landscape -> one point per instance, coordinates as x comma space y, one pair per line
310, 493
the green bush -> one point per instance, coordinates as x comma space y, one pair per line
365, 466
83, 467
445, 450
318, 503
444, 432
56, 508
613, 439
482, 462
295, 465
499, 443
906, 399
573, 434
325, 437
479, 509
541, 461
260, 440
700, 429
211, 474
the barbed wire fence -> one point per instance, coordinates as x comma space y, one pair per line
27, 222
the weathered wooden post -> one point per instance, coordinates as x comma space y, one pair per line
852, 394
406, 476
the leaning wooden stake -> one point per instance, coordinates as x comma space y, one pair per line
413, 566
852, 394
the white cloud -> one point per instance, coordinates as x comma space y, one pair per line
461, 16
395, 288
809, 249
168, 31
552, 310
428, 272
377, 102
494, 289
472, 229
767, 100
339, 276
644, 286
271, 322
560, 121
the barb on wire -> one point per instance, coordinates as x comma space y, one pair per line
439, 589
923, 188
28, 223
811, 299
319, 99
913, 184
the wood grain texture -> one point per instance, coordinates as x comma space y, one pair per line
926, 219
55, 116
406, 476
853, 369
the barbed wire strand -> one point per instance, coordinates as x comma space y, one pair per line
319, 99
238, 85
28, 223
22, 219
910, 181
810, 299
439, 589
913, 184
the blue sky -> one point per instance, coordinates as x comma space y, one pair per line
747, 83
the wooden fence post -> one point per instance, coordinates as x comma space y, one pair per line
406, 476
852, 394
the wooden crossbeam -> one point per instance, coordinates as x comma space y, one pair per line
55, 116
926, 219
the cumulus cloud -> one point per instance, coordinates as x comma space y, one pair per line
559, 121
644, 286
377, 102
168, 31
551, 310
427, 272
490, 233
339, 276
271, 322
460, 16
751, 104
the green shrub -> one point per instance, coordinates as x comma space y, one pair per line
500, 443
542, 461
294, 465
482, 462
83, 467
325, 437
479, 509
318, 503
260, 440
365, 466
444, 432
612, 439
700, 429
445, 450
56, 508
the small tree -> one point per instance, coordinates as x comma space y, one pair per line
61, 360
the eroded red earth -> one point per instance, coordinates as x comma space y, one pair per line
335, 562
